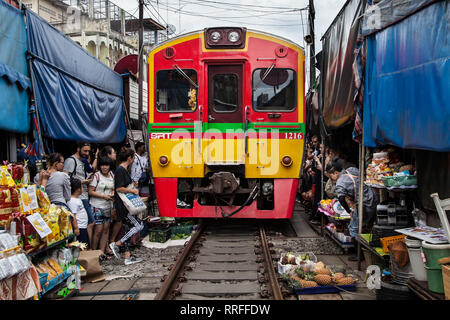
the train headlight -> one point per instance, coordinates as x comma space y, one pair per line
233, 36
225, 38
216, 36
287, 161
163, 161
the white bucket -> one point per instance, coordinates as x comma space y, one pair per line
413, 243
418, 267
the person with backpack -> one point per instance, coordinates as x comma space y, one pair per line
75, 168
101, 191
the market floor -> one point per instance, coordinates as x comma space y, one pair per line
141, 285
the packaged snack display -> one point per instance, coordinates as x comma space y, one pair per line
65, 225
52, 219
6, 178
43, 200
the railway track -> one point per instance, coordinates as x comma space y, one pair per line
231, 261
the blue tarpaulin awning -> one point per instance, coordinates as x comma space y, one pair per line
407, 95
14, 80
78, 97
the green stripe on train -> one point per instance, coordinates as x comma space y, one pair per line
224, 127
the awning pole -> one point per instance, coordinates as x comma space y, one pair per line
361, 195
34, 100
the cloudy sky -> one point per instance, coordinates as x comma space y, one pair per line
280, 17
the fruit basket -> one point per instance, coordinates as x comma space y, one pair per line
159, 235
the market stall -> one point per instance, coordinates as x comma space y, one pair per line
304, 274
36, 253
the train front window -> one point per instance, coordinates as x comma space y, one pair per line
274, 90
225, 92
175, 93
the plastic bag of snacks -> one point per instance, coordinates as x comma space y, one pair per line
6, 178
43, 200
9, 200
52, 220
65, 225
7, 241
6, 270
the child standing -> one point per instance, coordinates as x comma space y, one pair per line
80, 221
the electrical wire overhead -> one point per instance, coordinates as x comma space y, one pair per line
225, 19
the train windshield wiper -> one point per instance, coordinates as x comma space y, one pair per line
268, 71
181, 72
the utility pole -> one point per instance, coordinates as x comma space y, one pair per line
312, 48
141, 67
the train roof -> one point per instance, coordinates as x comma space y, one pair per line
248, 30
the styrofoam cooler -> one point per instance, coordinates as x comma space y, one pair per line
415, 258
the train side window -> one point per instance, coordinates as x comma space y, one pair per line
274, 90
174, 93
225, 92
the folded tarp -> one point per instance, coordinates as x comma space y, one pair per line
14, 80
407, 96
338, 87
78, 97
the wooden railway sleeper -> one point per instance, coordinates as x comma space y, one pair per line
187, 268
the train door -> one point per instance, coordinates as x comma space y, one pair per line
225, 94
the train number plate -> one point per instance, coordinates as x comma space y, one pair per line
293, 136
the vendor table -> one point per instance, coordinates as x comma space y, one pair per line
344, 246
420, 288
363, 242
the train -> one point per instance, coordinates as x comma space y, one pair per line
226, 124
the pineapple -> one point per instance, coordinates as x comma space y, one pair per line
309, 276
323, 279
345, 281
325, 271
300, 272
308, 284
296, 278
337, 276
319, 265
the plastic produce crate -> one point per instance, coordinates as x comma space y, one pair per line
386, 241
159, 235
182, 229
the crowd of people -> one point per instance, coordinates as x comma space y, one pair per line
90, 188
342, 183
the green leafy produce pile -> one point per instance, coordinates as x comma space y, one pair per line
180, 236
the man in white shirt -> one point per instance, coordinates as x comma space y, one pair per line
139, 166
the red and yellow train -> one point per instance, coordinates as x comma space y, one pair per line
226, 124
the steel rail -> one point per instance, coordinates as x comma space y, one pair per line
173, 274
276, 291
